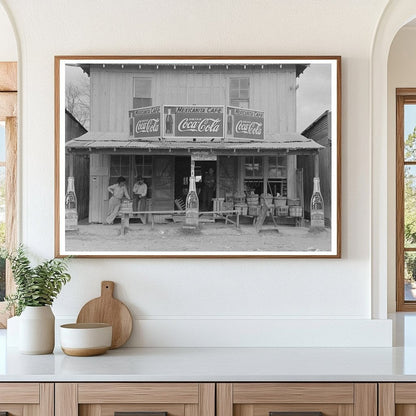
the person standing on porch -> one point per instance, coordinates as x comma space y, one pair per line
139, 196
208, 190
118, 191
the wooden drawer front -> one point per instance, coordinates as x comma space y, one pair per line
293, 393
138, 393
27, 399
405, 393
19, 393
104, 399
331, 399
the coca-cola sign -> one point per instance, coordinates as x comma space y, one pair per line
244, 123
196, 121
145, 122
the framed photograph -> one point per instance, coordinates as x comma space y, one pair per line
198, 156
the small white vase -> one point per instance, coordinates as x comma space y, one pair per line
37, 330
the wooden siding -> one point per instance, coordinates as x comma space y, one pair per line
320, 132
271, 90
99, 178
81, 166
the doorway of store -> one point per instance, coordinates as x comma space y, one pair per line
205, 178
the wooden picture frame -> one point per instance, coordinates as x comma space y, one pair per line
256, 136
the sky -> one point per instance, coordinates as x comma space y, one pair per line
313, 94
2, 142
409, 119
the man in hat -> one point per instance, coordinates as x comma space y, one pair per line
139, 197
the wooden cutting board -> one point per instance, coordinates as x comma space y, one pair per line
107, 309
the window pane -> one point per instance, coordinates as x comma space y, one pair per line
239, 90
410, 132
410, 206
248, 166
409, 275
234, 83
142, 87
148, 160
258, 166
147, 171
244, 83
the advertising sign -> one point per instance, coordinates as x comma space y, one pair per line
193, 121
145, 122
244, 123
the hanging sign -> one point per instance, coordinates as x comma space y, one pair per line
145, 122
203, 156
193, 121
244, 123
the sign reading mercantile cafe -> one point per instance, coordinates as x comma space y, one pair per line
244, 123
145, 122
196, 121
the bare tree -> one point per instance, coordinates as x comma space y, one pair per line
77, 101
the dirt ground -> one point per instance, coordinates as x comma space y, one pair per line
211, 237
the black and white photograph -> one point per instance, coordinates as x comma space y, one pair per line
203, 157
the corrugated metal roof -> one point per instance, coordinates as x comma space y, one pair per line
105, 140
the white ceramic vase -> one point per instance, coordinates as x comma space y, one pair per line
37, 330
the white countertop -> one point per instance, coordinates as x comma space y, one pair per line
215, 364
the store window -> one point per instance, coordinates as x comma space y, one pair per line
142, 92
277, 167
277, 175
240, 92
253, 170
406, 200
120, 166
144, 168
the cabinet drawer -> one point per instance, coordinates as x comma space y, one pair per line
297, 399
145, 399
21, 399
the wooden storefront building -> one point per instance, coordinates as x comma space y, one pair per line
131, 132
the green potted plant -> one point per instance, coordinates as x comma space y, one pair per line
36, 289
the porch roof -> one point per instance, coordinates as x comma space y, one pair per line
106, 140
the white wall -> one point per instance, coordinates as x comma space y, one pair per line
8, 47
212, 302
401, 74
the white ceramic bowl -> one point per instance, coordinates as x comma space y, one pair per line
84, 340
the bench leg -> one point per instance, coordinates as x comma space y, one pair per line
125, 222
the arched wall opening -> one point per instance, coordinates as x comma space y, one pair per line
386, 76
401, 73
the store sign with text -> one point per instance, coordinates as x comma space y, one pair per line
193, 121
145, 122
244, 123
